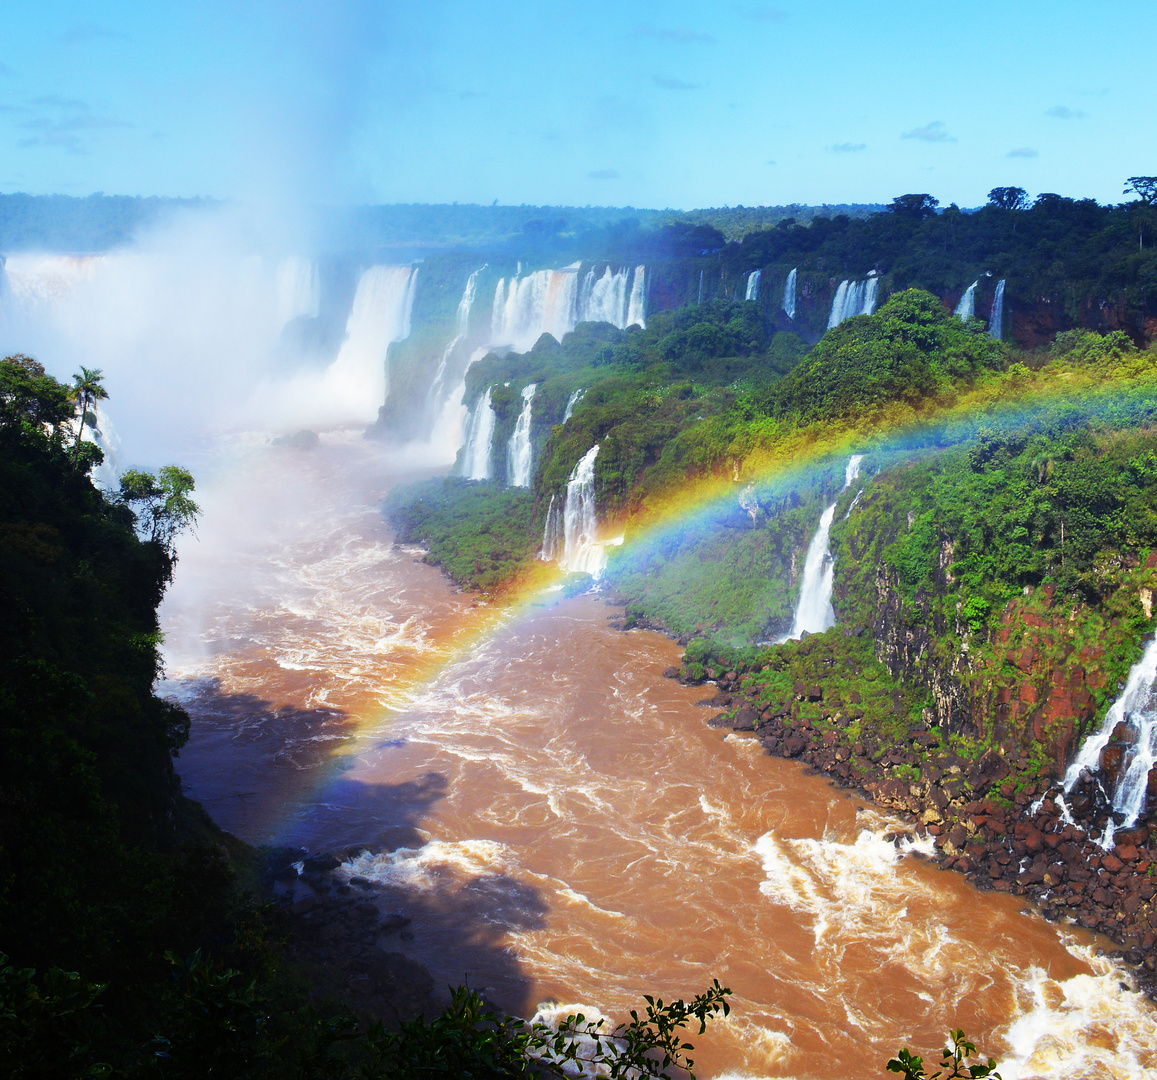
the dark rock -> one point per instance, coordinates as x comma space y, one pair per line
391, 924
793, 746
671, 673
746, 719
320, 864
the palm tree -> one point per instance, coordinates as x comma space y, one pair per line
87, 390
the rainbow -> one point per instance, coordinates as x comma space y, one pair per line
787, 459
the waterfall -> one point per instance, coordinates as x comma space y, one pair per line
1137, 709
476, 463
552, 534
637, 305
572, 401
462, 327
380, 315
789, 295
582, 552
107, 474
996, 320
966, 309
853, 298
753, 285
813, 610
699, 302
298, 289
604, 299
518, 450
553, 302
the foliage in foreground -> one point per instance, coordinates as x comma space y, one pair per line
954, 1063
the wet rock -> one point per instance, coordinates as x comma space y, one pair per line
793, 746
320, 864
746, 719
671, 673
394, 922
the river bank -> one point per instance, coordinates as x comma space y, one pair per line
1002, 834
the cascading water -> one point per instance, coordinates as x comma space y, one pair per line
462, 327
699, 302
1136, 708
298, 289
476, 465
996, 319
572, 401
966, 309
582, 552
813, 610
553, 302
789, 294
637, 304
753, 285
107, 474
357, 379
853, 298
519, 450
552, 534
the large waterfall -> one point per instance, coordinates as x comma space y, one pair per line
571, 535
476, 465
753, 285
518, 450
853, 298
1136, 711
380, 315
789, 294
813, 610
298, 289
553, 302
996, 320
462, 327
966, 309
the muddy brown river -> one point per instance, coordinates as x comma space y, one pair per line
558, 819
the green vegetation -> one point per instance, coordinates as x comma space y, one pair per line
480, 535
954, 1063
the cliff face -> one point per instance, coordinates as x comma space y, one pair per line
1035, 683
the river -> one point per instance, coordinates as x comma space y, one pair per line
563, 826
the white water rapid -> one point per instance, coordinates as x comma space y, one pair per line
996, 320
476, 465
966, 309
789, 294
1137, 707
753, 285
853, 298
813, 610
519, 450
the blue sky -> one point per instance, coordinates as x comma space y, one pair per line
645, 104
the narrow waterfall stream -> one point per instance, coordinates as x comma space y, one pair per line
1131, 721
519, 450
813, 609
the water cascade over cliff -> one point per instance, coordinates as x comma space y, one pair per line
966, 309
853, 298
519, 450
298, 289
1125, 749
753, 285
813, 610
572, 401
789, 294
445, 399
571, 534
476, 464
553, 302
996, 320
356, 382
